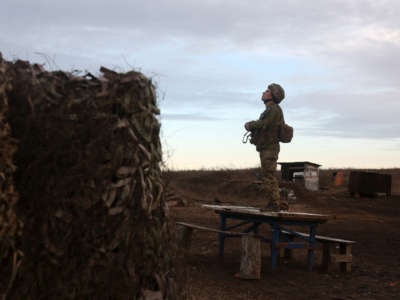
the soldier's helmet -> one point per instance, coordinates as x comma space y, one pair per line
278, 93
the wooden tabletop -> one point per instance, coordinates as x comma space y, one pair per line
256, 212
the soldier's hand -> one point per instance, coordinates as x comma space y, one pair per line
247, 126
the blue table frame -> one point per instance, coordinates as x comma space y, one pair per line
276, 221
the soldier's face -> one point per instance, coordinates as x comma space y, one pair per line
266, 95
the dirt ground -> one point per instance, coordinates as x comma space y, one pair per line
374, 224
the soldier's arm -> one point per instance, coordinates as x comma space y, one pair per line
272, 117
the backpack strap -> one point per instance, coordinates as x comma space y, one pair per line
280, 109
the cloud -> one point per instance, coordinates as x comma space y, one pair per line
262, 22
338, 30
337, 113
339, 60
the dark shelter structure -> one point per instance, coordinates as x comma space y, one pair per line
369, 183
83, 212
307, 173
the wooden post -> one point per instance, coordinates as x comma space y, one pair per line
345, 249
311, 247
326, 256
343, 258
250, 264
184, 237
287, 252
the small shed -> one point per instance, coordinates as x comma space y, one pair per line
369, 183
304, 172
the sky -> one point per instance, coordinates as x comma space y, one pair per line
338, 61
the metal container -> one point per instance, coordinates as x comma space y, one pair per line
369, 183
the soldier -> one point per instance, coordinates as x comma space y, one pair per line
265, 136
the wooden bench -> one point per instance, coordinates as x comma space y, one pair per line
250, 263
185, 230
344, 257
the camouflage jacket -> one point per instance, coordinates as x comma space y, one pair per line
266, 129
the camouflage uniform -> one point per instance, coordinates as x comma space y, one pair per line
266, 131
268, 166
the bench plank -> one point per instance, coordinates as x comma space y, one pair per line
322, 238
345, 257
250, 263
194, 226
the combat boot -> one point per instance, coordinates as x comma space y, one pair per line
271, 207
283, 206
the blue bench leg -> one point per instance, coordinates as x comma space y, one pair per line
311, 249
222, 236
274, 250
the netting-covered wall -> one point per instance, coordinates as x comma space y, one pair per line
90, 191
10, 225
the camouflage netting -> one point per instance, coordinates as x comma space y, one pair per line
10, 226
90, 191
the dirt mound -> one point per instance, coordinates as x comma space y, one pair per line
230, 186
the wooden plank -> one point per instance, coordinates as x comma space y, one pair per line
333, 240
322, 238
235, 208
194, 226
211, 206
283, 215
341, 258
289, 216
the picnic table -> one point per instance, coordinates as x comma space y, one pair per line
252, 218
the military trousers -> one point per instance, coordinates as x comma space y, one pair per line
268, 160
